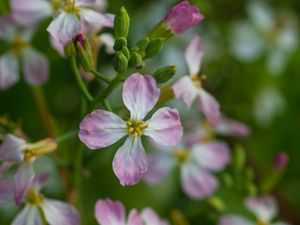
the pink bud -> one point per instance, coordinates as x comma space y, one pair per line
182, 17
280, 161
79, 38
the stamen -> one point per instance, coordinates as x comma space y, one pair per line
182, 156
34, 197
18, 44
136, 127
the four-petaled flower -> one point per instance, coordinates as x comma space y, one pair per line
102, 128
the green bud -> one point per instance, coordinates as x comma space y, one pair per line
154, 47
126, 52
251, 188
143, 44
84, 53
216, 203
239, 158
120, 62
120, 43
136, 60
70, 49
164, 74
121, 23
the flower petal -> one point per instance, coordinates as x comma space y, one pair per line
96, 19
35, 66
186, 90
60, 213
211, 156
59, 47
165, 127
134, 218
233, 220
197, 183
64, 27
194, 54
23, 181
130, 163
9, 70
11, 149
263, 207
210, 107
7, 194
8, 28
85, 2
140, 94
101, 128
151, 218
232, 128
108, 40
108, 212
28, 216
30, 12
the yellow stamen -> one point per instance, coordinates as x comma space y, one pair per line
136, 127
40, 148
197, 80
70, 7
18, 44
182, 156
34, 197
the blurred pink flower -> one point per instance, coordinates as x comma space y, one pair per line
182, 17
101, 128
188, 88
280, 161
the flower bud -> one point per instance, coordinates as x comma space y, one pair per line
70, 49
120, 62
84, 52
164, 74
143, 44
280, 161
121, 23
154, 47
120, 43
126, 52
239, 158
136, 60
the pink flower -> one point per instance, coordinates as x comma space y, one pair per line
264, 208
76, 17
188, 88
196, 166
108, 212
230, 127
101, 128
182, 17
280, 161
35, 65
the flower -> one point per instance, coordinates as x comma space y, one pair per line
280, 161
190, 87
35, 64
196, 165
108, 212
101, 128
182, 17
263, 207
76, 17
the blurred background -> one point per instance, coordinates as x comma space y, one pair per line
251, 61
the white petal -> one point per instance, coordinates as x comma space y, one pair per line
108, 40
95, 19
12, 149
28, 216
234, 220
9, 70
261, 15
194, 54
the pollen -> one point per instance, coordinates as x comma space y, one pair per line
181, 156
33, 197
197, 80
70, 7
136, 127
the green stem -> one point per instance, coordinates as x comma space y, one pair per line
66, 136
101, 76
79, 80
107, 105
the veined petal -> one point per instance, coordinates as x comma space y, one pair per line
101, 128
30, 12
140, 94
60, 213
9, 70
197, 183
263, 207
64, 27
194, 54
96, 19
23, 181
108, 212
35, 66
85, 2
210, 107
134, 218
28, 216
234, 220
211, 156
232, 128
165, 127
185, 89
130, 163
151, 218
11, 149
7, 194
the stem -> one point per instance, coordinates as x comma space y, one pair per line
43, 110
101, 76
79, 80
66, 136
107, 105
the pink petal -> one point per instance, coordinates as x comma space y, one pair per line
64, 27
232, 128
30, 12
210, 107
263, 207
8, 28
96, 19
101, 128
165, 127
186, 90
197, 183
130, 163
4, 166
35, 66
194, 54
28, 216
134, 218
212, 156
11, 149
150, 217
85, 2
159, 167
9, 70
60, 213
108, 212
23, 181
140, 94
7, 193
233, 220
60, 48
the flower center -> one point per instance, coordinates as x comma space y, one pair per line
70, 7
260, 222
56, 4
181, 156
197, 80
34, 197
18, 44
40, 148
136, 127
